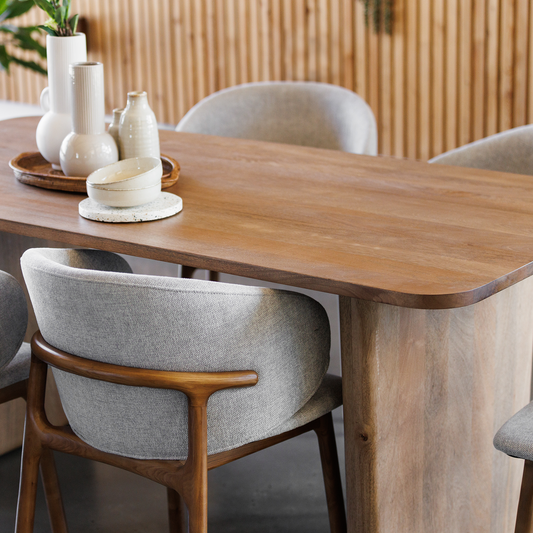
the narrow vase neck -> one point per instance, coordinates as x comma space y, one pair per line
88, 106
137, 101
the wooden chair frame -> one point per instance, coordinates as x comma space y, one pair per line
186, 481
47, 465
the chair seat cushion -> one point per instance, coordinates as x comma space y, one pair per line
18, 368
515, 437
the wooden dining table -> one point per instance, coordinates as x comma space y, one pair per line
432, 265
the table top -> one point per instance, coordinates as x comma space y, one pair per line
394, 231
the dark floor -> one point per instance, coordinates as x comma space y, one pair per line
276, 490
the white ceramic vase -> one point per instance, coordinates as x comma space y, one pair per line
113, 127
56, 124
88, 147
138, 134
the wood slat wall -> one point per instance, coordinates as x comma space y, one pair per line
452, 71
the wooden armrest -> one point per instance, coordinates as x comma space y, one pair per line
193, 384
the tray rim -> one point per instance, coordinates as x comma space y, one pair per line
77, 183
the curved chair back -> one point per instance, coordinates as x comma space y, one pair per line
13, 318
508, 151
302, 113
88, 303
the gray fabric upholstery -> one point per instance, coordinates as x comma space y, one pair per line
18, 369
13, 318
515, 437
508, 151
174, 324
325, 399
303, 113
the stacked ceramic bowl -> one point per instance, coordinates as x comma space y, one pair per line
127, 183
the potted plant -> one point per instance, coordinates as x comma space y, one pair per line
64, 46
60, 23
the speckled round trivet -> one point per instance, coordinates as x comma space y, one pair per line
165, 205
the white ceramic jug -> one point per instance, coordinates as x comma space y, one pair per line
56, 124
88, 147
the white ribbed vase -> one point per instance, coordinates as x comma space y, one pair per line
137, 132
56, 124
88, 147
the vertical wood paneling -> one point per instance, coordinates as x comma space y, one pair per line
438, 24
347, 44
506, 64
478, 68
411, 73
451, 47
361, 58
398, 92
453, 70
300, 39
520, 63
465, 72
492, 76
424, 82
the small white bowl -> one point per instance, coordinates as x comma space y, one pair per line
134, 173
124, 197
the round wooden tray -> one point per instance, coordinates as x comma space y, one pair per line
32, 168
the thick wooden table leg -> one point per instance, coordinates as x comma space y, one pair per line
424, 393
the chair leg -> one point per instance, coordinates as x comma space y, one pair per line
29, 474
176, 512
332, 475
187, 271
213, 276
52, 492
198, 515
524, 519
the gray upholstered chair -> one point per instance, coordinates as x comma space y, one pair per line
14, 371
291, 112
304, 113
515, 438
141, 339
508, 151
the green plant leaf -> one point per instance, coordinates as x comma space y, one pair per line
58, 17
32, 65
4, 59
48, 30
23, 39
73, 23
46, 7
14, 8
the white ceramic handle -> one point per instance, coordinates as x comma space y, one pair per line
45, 99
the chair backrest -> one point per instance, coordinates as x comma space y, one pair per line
508, 151
87, 303
13, 318
302, 113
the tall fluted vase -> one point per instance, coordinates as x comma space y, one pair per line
56, 124
88, 147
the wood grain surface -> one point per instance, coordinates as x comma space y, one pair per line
381, 229
428, 389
